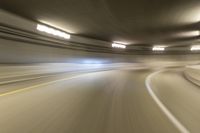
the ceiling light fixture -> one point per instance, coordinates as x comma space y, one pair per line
118, 42
194, 33
116, 45
158, 48
46, 29
195, 48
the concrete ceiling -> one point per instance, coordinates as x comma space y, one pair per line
132, 21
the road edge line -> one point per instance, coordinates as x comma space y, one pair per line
169, 115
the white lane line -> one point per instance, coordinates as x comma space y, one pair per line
170, 116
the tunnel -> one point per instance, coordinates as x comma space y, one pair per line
99, 66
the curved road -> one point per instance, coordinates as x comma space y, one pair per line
180, 96
100, 102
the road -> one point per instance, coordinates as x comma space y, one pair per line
180, 96
99, 102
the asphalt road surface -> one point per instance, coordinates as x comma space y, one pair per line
100, 102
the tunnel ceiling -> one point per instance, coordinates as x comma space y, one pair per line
131, 21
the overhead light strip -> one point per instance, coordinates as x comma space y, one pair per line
46, 29
158, 48
195, 48
116, 45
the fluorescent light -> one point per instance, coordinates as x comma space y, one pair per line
118, 42
195, 48
116, 45
52, 31
158, 48
188, 33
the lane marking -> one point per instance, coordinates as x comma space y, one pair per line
39, 85
169, 115
25, 79
33, 78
